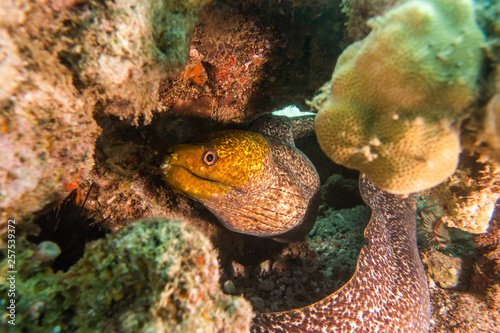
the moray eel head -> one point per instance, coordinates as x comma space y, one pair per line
253, 183
222, 161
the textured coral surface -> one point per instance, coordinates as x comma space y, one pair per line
392, 106
155, 275
243, 62
65, 61
470, 195
47, 133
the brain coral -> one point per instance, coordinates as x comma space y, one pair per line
396, 98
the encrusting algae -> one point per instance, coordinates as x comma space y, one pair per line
152, 276
61, 62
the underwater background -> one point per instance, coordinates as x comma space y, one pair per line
94, 95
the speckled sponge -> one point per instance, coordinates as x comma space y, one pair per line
396, 98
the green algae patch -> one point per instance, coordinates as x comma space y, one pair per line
152, 276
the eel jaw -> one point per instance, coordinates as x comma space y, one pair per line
164, 168
184, 181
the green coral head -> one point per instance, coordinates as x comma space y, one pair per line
398, 96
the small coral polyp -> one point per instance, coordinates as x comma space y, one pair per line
396, 98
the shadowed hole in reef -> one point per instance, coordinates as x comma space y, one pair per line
70, 226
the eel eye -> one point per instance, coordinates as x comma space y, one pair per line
209, 157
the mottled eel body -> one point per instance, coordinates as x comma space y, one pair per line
387, 293
255, 182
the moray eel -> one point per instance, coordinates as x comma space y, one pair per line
388, 291
255, 182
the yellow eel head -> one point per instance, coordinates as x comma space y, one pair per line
223, 160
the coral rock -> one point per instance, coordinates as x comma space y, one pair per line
470, 195
392, 107
129, 46
47, 132
359, 11
447, 271
491, 133
152, 276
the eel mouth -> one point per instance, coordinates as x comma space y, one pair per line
185, 181
165, 167
168, 168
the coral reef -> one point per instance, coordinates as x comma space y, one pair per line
488, 131
319, 4
66, 65
47, 133
480, 132
469, 196
61, 62
475, 305
69, 226
246, 58
155, 275
359, 12
447, 271
455, 311
128, 47
477, 308
228, 54
486, 276
491, 125
392, 107
341, 193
